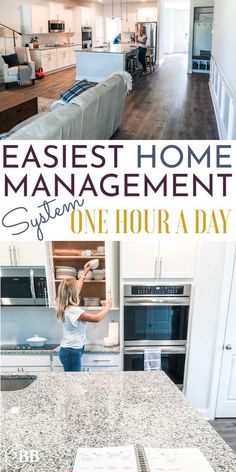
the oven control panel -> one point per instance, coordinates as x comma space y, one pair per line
157, 290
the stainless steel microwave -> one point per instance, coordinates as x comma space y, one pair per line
56, 26
23, 286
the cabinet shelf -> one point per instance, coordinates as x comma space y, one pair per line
79, 257
85, 281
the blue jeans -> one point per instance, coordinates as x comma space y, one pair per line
142, 58
71, 358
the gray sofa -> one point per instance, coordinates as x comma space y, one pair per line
95, 114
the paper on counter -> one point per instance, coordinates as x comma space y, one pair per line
107, 459
177, 460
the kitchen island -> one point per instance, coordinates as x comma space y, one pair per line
60, 412
96, 64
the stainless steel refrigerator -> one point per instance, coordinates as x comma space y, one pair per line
151, 29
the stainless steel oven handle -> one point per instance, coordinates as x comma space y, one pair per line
157, 301
32, 289
164, 350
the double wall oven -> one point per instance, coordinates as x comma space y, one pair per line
157, 317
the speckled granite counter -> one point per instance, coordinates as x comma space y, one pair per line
89, 348
60, 412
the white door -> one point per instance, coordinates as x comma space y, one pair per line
226, 402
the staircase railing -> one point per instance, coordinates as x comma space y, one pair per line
13, 31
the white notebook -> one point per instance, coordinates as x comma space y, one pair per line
139, 459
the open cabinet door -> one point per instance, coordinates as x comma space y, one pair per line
112, 272
226, 402
50, 275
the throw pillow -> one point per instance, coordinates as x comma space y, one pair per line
76, 89
11, 60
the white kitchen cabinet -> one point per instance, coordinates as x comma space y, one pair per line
22, 253
100, 362
160, 260
99, 30
34, 18
25, 363
63, 57
128, 24
49, 61
85, 16
53, 59
108, 287
176, 260
147, 14
92, 362
73, 54
45, 59
56, 11
138, 259
69, 20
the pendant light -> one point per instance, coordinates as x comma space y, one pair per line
112, 9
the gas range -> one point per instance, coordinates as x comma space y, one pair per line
26, 347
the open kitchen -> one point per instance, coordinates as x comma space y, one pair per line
164, 349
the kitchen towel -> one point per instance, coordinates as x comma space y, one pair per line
152, 359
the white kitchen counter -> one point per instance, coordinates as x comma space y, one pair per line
96, 64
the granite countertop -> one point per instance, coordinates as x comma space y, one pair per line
46, 48
113, 49
54, 349
60, 412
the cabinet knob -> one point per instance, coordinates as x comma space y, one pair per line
228, 347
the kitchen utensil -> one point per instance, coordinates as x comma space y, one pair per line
91, 301
108, 342
99, 274
65, 272
93, 264
87, 252
101, 249
113, 330
36, 341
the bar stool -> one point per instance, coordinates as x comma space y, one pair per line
150, 59
132, 64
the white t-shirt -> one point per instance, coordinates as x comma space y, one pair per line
73, 330
141, 38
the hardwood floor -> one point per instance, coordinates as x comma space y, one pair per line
226, 428
167, 104
51, 86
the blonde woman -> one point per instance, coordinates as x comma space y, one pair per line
141, 40
74, 320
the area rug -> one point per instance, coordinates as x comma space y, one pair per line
44, 103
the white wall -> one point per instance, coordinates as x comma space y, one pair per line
224, 39
207, 294
19, 323
223, 70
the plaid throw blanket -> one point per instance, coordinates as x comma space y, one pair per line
76, 90
24, 74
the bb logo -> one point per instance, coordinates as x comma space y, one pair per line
16, 456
